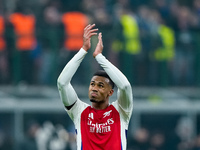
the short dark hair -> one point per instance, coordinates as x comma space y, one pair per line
102, 73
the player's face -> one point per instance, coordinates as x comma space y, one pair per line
99, 89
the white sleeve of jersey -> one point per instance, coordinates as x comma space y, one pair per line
76, 110
124, 94
66, 91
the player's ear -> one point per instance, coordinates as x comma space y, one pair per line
111, 92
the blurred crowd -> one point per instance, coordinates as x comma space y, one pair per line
178, 135
145, 139
153, 42
47, 137
39, 136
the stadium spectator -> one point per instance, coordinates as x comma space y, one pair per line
139, 140
23, 21
29, 142
51, 36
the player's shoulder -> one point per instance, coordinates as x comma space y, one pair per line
115, 105
125, 116
76, 111
78, 107
81, 105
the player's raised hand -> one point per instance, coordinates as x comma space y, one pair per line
88, 33
99, 47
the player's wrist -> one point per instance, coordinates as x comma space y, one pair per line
85, 48
96, 54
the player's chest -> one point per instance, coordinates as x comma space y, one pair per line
101, 121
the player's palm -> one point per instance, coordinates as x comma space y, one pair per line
87, 43
99, 47
88, 33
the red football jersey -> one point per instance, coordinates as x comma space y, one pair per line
100, 129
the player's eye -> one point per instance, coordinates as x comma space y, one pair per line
101, 86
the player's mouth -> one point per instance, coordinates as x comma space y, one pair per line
94, 94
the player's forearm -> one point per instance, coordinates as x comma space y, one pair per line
66, 91
71, 67
125, 98
114, 73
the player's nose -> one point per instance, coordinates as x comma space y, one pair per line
95, 88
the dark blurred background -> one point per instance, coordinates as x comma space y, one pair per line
155, 43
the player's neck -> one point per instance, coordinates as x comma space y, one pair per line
100, 106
